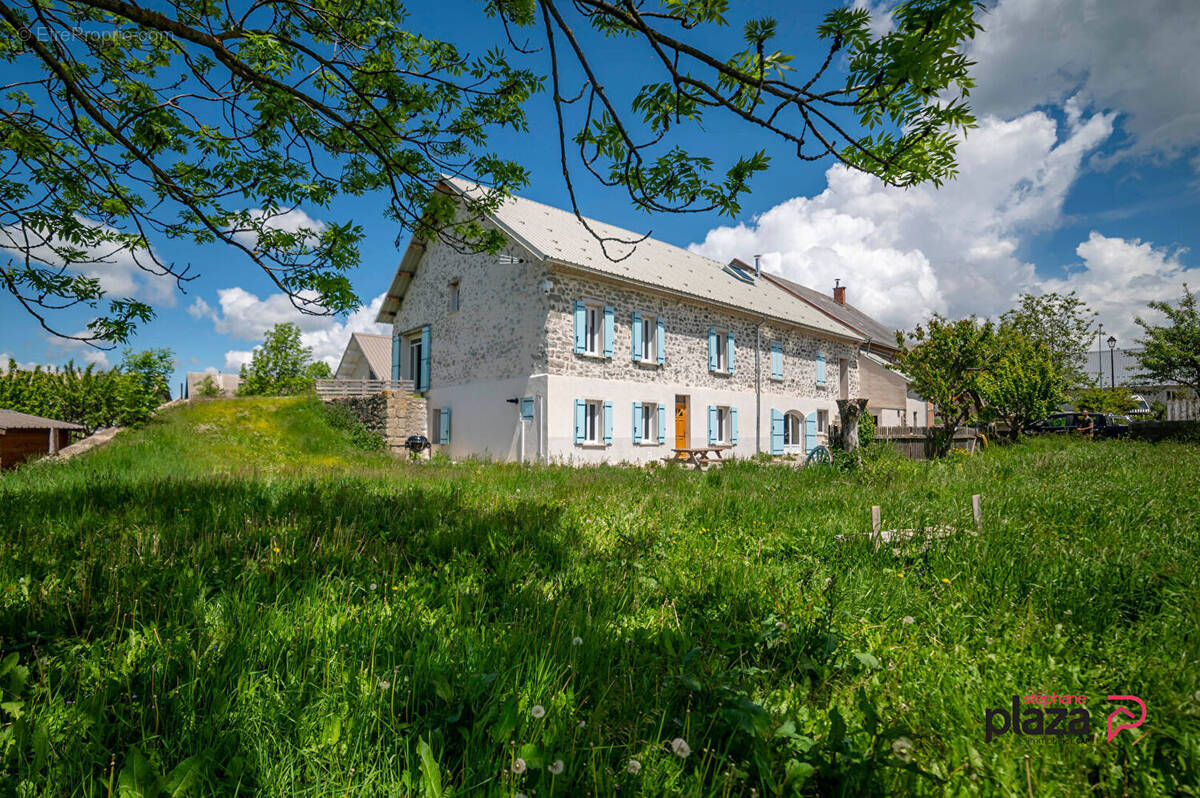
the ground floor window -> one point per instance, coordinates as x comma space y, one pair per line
724, 427
822, 420
793, 430
593, 412
648, 422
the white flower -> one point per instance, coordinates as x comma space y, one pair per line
373, 585
518, 766
384, 684
908, 619
582, 723
538, 711
577, 641
634, 767
781, 626
680, 747
556, 767
903, 748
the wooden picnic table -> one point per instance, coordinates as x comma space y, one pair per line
699, 456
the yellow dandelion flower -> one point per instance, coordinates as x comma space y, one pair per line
947, 581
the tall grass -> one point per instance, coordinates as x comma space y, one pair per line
239, 598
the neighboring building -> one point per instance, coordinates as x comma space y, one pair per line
552, 351
1120, 367
227, 384
23, 437
890, 400
367, 357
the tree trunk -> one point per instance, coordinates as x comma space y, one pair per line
849, 410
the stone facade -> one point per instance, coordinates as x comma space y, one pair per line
393, 415
686, 326
497, 331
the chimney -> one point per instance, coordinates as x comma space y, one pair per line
757, 267
839, 292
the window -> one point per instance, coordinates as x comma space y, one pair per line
722, 352
441, 425
724, 427
776, 361
454, 296
649, 339
914, 418
593, 412
412, 365
822, 420
649, 422
592, 331
792, 430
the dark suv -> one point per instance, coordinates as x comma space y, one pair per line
1104, 425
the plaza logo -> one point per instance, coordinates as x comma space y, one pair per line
1041, 714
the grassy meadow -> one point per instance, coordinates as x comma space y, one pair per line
238, 599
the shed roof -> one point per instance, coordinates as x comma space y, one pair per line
557, 235
11, 419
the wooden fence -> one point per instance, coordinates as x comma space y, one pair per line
913, 442
333, 389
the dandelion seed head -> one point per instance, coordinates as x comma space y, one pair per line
519, 766
903, 748
577, 641
680, 747
908, 620
538, 711
556, 767
634, 767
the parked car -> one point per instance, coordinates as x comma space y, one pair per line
1104, 425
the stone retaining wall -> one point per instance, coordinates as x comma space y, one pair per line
393, 415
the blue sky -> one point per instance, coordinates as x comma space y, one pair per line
1084, 174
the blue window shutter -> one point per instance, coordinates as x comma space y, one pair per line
777, 361
424, 376
662, 342
527, 408
821, 369
637, 422
609, 325
810, 432
637, 336
712, 349
608, 422
395, 356
662, 423
580, 420
444, 426
776, 432
712, 424
733, 438
580, 327
729, 346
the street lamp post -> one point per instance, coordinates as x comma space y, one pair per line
1112, 363
1100, 353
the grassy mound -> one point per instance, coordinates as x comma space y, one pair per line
241, 598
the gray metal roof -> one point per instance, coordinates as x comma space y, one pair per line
11, 419
847, 314
376, 349
553, 234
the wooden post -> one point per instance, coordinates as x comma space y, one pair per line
977, 511
876, 526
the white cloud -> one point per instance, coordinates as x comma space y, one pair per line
1118, 277
236, 358
289, 221
199, 309
69, 348
1136, 58
121, 273
244, 315
908, 253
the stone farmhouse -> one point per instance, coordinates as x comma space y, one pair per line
550, 351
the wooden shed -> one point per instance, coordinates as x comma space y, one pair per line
23, 437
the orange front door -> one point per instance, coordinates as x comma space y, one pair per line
681, 424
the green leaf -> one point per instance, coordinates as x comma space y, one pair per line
137, 779
184, 777
431, 774
868, 660
533, 755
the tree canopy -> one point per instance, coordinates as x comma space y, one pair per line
282, 365
1170, 352
124, 126
1062, 323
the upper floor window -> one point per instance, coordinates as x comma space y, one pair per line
649, 338
720, 351
412, 363
455, 295
592, 330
